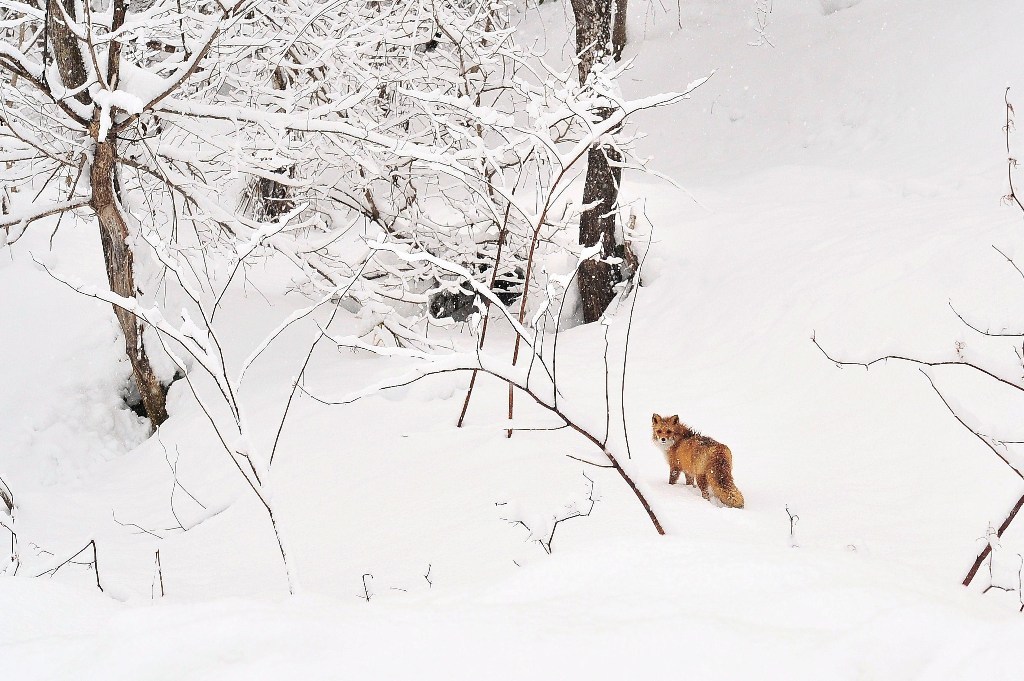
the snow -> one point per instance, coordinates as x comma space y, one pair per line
846, 185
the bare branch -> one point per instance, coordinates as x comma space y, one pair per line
913, 360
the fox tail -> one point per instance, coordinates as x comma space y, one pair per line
722, 483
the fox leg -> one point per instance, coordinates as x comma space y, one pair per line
673, 476
689, 479
702, 483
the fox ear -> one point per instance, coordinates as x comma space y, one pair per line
656, 419
674, 420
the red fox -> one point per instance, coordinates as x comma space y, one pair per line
698, 457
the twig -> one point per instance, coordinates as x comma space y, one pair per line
793, 520
591, 463
95, 564
302, 371
985, 332
176, 483
1011, 162
988, 546
367, 595
547, 544
140, 528
972, 430
160, 572
502, 235
919, 362
625, 348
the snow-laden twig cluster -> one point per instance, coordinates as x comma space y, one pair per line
388, 153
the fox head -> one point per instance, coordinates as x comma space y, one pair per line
664, 431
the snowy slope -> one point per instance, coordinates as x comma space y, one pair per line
844, 182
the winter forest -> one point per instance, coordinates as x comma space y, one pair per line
511, 339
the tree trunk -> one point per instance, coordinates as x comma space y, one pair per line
67, 52
597, 278
120, 274
619, 29
597, 225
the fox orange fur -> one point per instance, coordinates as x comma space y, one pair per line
700, 458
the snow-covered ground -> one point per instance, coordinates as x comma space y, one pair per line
843, 181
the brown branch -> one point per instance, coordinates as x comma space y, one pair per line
988, 546
984, 332
28, 219
972, 430
919, 362
1010, 260
590, 463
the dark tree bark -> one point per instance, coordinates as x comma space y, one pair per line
117, 254
597, 225
66, 50
619, 29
